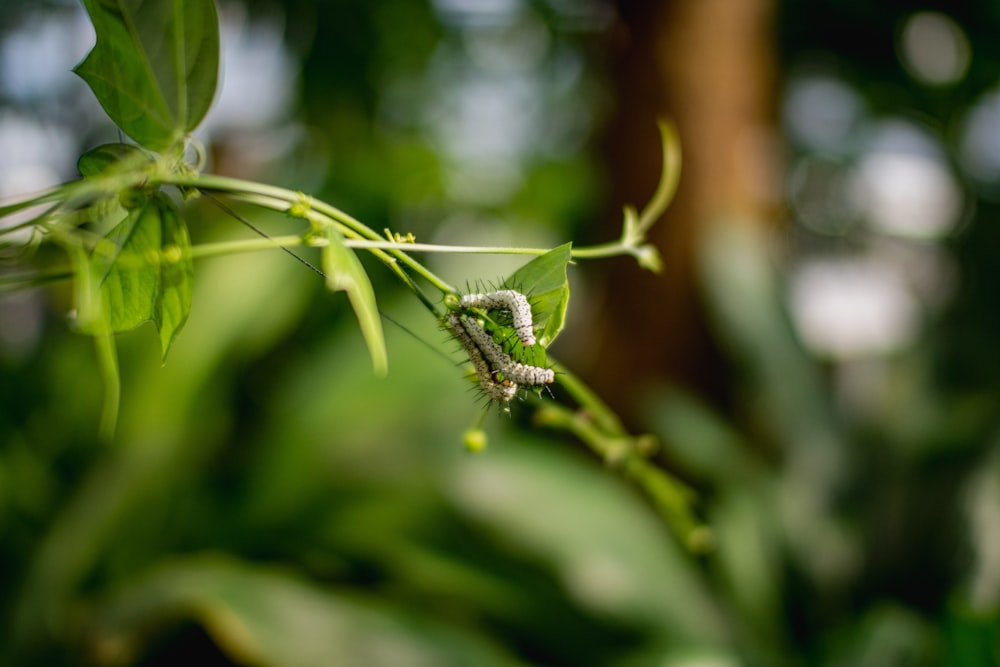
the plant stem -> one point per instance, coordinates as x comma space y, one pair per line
56, 194
245, 245
670, 497
16, 283
281, 199
290, 241
601, 251
447, 249
670, 175
107, 357
603, 415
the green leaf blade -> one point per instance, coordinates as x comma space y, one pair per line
127, 266
259, 615
544, 281
176, 275
111, 158
345, 273
141, 271
154, 67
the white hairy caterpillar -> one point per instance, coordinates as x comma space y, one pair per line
514, 371
510, 300
529, 375
494, 389
501, 392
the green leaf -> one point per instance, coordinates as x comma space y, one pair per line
266, 616
143, 272
344, 272
107, 158
543, 280
176, 276
126, 263
154, 66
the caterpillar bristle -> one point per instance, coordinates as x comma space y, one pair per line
511, 301
494, 389
499, 367
515, 371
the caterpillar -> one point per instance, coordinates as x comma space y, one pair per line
496, 390
506, 299
514, 371
528, 375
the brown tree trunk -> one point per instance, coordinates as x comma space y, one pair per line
709, 66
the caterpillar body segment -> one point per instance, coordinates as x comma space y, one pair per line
514, 371
484, 341
496, 390
528, 375
509, 300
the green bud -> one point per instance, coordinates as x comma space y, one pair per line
475, 440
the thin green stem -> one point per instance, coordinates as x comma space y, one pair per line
598, 427
55, 194
253, 245
361, 236
670, 175
581, 424
600, 413
396, 253
671, 498
245, 245
281, 199
228, 185
56, 199
390, 261
31, 222
601, 251
107, 357
17, 283
446, 249
290, 241
316, 218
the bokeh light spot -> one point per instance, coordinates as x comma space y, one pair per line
934, 49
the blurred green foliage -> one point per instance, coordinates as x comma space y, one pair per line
267, 501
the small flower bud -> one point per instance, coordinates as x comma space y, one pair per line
475, 440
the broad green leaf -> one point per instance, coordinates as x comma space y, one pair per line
109, 157
344, 272
126, 262
154, 66
143, 271
543, 281
176, 275
266, 616
568, 512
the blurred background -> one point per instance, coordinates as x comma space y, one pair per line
818, 358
